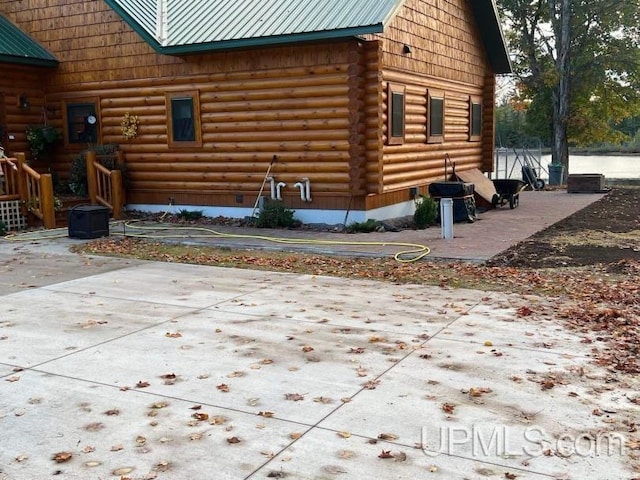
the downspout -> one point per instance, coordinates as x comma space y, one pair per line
307, 189
279, 188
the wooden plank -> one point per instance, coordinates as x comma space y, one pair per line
484, 187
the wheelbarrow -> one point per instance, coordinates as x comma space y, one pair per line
507, 190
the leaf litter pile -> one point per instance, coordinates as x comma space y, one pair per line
588, 265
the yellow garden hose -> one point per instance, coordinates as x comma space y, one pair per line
414, 253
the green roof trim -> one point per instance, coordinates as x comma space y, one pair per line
274, 40
19, 48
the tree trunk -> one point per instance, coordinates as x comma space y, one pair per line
560, 95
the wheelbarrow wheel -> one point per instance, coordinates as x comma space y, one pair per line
513, 201
538, 184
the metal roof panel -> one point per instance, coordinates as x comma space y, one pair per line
18, 47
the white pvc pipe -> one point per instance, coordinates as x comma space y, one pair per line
279, 188
307, 189
272, 181
446, 217
301, 187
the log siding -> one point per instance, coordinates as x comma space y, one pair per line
321, 108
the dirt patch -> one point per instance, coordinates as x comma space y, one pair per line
607, 231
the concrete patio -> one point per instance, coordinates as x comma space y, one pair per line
116, 368
146, 370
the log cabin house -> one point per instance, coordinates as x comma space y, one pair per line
348, 106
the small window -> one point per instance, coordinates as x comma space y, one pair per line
435, 126
475, 119
183, 119
395, 114
81, 122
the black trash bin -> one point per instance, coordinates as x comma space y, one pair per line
88, 221
464, 204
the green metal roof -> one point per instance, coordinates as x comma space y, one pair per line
18, 47
180, 26
190, 26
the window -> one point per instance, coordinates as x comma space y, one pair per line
81, 122
435, 125
395, 114
475, 119
183, 119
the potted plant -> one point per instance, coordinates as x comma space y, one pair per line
41, 139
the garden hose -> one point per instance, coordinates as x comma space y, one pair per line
413, 253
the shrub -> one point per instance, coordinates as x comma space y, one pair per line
3, 229
426, 212
367, 226
274, 214
77, 182
190, 215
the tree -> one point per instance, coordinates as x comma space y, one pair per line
578, 63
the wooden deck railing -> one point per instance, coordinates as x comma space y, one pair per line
35, 190
104, 185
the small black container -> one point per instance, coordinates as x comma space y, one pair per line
88, 221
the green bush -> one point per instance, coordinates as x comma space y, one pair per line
275, 215
77, 182
426, 212
190, 215
367, 226
3, 229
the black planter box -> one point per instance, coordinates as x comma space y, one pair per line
88, 221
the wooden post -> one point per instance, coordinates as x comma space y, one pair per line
22, 182
47, 202
117, 194
92, 178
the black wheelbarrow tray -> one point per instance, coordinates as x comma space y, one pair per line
508, 190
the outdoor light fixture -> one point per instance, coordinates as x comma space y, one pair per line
406, 49
24, 102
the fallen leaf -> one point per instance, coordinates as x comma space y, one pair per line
478, 391
266, 414
62, 457
510, 476
94, 427
196, 407
400, 457
547, 384
295, 397
159, 405
223, 387
524, 312
488, 344
448, 407
217, 420
116, 448
345, 454
356, 350
307, 348
173, 335
89, 449
388, 436
233, 440
140, 440
195, 436
344, 434
295, 435
323, 400
200, 416
21, 458
142, 384
112, 412
385, 454
361, 371
371, 384
12, 379
122, 471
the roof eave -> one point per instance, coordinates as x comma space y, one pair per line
272, 40
35, 62
486, 14
146, 36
